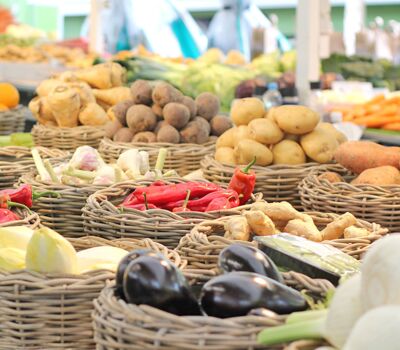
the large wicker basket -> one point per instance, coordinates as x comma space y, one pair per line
13, 120
16, 161
103, 218
28, 218
184, 158
380, 204
275, 182
202, 246
64, 213
67, 138
118, 325
54, 311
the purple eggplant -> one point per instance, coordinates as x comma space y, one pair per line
241, 257
237, 293
155, 281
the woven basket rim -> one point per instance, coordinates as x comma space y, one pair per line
180, 146
80, 128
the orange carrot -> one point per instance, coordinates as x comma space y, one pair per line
392, 126
375, 100
377, 121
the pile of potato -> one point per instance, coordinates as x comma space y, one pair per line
285, 135
161, 113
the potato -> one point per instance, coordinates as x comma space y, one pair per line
168, 134
340, 137
219, 124
141, 91
176, 114
194, 132
330, 176
246, 150
204, 124
265, 131
145, 136
243, 111
140, 118
123, 135
207, 105
242, 132
112, 127
164, 93
319, 145
297, 120
225, 155
190, 104
227, 139
288, 152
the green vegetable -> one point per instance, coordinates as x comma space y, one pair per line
41, 169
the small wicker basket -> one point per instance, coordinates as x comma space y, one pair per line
118, 325
62, 214
13, 120
184, 158
103, 218
275, 182
67, 138
380, 204
30, 219
16, 161
54, 311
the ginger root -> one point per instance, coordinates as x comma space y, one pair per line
304, 229
237, 228
356, 232
260, 224
277, 211
335, 229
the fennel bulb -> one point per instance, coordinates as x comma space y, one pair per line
380, 271
378, 328
49, 252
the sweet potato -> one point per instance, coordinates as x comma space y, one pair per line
383, 175
358, 156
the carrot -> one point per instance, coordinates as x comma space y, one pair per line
375, 100
360, 155
376, 121
392, 126
371, 109
388, 110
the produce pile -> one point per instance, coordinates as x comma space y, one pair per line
86, 167
285, 135
250, 282
80, 97
379, 112
379, 170
44, 250
266, 219
158, 112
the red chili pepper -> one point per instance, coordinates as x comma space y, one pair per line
219, 204
161, 195
202, 203
184, 206
132, 199
243, 182
7, 215
23, 195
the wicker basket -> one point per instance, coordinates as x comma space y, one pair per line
62, 214
16, 161
67, 138
118, 325
275, 182
184, 158
202, 246
13, 120
102, 217
54, 311
30, 219
380, 204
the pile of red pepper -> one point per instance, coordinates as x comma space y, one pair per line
22, 196
194, 196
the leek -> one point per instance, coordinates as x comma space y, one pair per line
51, 172
41, 169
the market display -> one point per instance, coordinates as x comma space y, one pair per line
285, 135
160, 113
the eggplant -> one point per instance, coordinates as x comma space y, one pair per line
237, 293
240, 257
155, 281
123, 265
